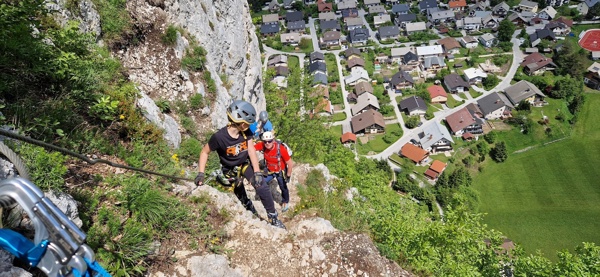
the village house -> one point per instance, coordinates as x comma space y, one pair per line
371, 3
414, 27
403, 19
327, 16
437, 94
352, 52
527, 6
539, 34
487, 40
474, 75
296, 26
357, 75
413, 105
274, 6
401, 80
331, 38
524, 91
557, 3
470, 24
317, 66
592, 76
501, 9
455, 83
359, 36
348, 138
270, 19
559, 28
330, 25
435, 170
280, 77
354, 23
457, 5
323, 6
548, 13
430, 51
381, 19
435, 138
432, 65
277, 60
355, 62
290, 38
346, 4
377, 10
349, 13
388, 32
462, 121
368, 122
584, 6
398, 52
492, 106
414, 153
364, 102
436, 16
399, 9
319, 78
468, 42
450, 45
410, 61
537, 64
424, 5
316, 56
269, 29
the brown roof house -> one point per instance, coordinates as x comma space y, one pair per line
355, 62
363, 87
450, 45
537, 64
331, 38
322, 6
462, 122
414, 153
524, 91
435, 169
365, 102
369, 122
437, 94
348, 137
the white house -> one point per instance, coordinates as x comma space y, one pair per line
468, 42
413, 27
487, 40
474, 75
430, 51
547, 13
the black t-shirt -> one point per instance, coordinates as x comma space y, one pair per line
232, 152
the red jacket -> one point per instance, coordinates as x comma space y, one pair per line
271, 156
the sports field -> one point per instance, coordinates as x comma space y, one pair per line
548, 198
591, 40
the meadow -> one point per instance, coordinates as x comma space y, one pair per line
546, 198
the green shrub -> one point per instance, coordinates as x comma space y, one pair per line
189, 150
189, 125
164, 105
194, 59
170, 36
196, 101
115, 19
46, 169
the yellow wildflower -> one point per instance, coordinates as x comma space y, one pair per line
121, 117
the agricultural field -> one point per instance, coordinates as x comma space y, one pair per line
546, 197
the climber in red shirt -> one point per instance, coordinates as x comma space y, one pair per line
279, 164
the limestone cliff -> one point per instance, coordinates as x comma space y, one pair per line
223, 28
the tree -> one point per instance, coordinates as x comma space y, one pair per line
499, 152
506, 30
593, 12
413, 122
490, 82
490, 137
571, 59
523, 106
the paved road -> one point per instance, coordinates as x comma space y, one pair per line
313, 34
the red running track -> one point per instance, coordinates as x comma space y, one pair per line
591, 40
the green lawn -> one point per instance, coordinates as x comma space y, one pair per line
548, 197
293, 62
377, 145
338, 116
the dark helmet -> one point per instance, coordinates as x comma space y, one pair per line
241, 111
263, 116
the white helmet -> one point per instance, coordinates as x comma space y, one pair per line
268, 135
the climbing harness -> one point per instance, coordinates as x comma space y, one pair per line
58, 248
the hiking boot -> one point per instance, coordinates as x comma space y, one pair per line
274, 221
250, 207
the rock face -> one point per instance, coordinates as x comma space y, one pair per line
223, 28
310, 246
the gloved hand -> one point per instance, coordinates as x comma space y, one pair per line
287, 179
258, 179
199, 179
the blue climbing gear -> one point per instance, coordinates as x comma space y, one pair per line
58, 248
